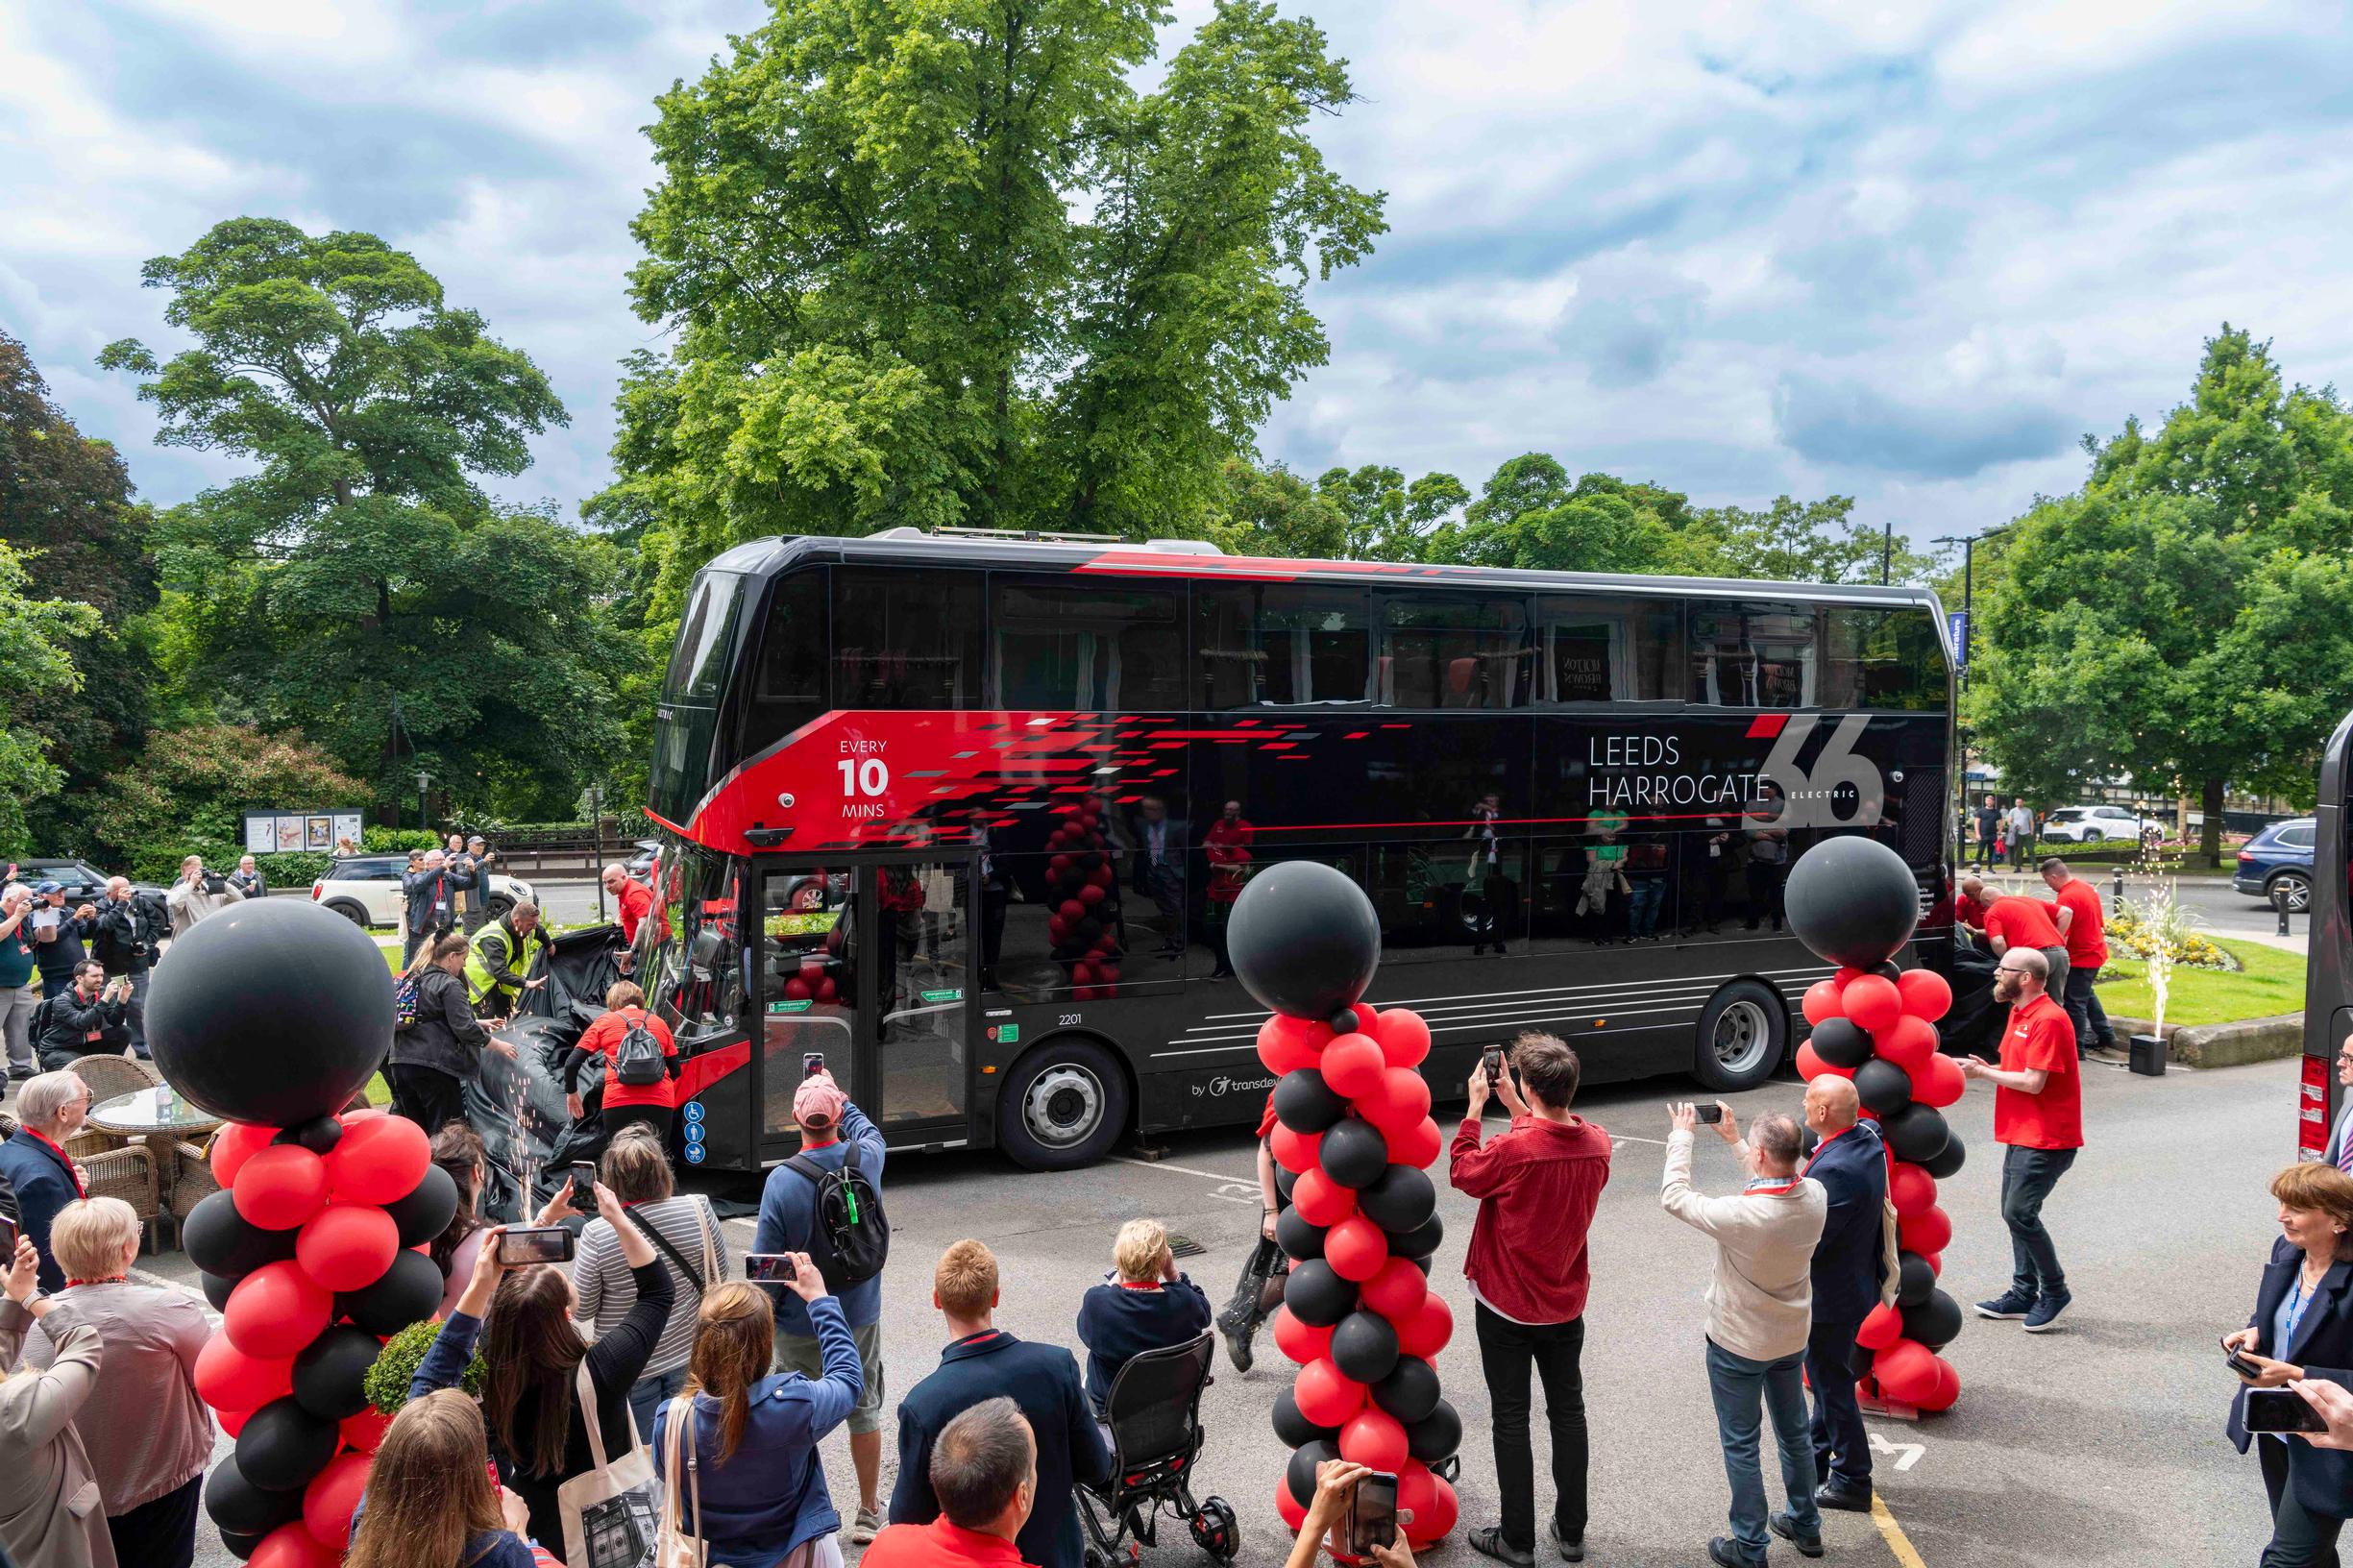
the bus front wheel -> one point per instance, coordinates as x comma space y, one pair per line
1742, 1037
1062, 1106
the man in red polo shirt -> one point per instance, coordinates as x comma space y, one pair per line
2083, 926
984, 1471
2038, 1119
1538, 1187
1969, 909
2016, 920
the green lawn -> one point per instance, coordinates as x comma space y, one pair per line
2272, 982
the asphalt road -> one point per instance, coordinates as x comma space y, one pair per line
2100, 1444
2211, 902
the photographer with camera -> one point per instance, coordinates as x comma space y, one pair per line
197, 894
87, 1018
129, 930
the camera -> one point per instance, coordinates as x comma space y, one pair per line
215, 884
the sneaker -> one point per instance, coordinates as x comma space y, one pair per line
2008, 1304
1490, 1543
1844, 1499
1572, 1548
1237, 1345
865, 1527
2046, 1312
1786, 1528
1725, 1552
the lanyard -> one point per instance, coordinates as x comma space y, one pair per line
2296, 1304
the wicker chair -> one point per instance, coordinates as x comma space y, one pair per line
128, 1173
110, 1076
195, 1181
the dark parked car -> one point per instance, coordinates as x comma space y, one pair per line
84, 883
2279, 857
641, 861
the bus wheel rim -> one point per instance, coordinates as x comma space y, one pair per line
1741, 1036
1062, 1106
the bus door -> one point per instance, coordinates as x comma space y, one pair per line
2328, 969
867, 964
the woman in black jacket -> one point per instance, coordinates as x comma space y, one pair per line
2302, 1328
434, 1057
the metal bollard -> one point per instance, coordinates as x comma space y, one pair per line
2116, 897
2279, 901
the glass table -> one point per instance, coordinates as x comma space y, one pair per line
162, 1119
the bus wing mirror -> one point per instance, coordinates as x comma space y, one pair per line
709, 947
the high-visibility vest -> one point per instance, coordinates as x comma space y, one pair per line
497, 936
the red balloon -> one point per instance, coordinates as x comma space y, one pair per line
1325, 1394
383, 1160
1926, 994
826, 992
330, 1497
1374, 1438
1294, 1151
234, 1422
1946, 1390
228, 1379
1938, 1083
1847, 976
1427, 1528
1356, 1249
293, 1546
1417, 1496
346, 1246
1082, 993
282, 1186
1322, 1201
1285, 1043
1418, 1146
1301, 1342
1295, 1517
1089, 895
1910, 1188
1072, 911
1936, 1263
1424, 1333
1811, 1066
1100, 878
1881, 1330
1397, 1290
797, 988
1058, 928
1058, 864
1402, 1101
276, 1311
1353, 1066
1082, 973
235, 1145
1820, 1003
1405, 1039
1906, 1371
365, 1431
1872, 1001
1928, 1231
1908, 1042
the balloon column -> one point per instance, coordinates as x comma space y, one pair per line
1353, 1141
1084, 895
1853, 901
273, 1013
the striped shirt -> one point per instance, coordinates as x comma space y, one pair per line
606, 1291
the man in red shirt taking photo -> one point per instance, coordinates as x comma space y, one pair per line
2038, 1119
2083, 925
1538, 1187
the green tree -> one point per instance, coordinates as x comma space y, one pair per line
35, 666
359, 587
1272, 511
2183, 620
1529, 516
1814, 541
1387, 519
943, 263
191, 783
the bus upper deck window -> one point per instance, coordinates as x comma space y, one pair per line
1097, 647
706, 639
1594, 650
1754, 656
906, 639
1454, 651
1884, 658
1283, 644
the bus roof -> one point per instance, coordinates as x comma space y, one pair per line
1202, 562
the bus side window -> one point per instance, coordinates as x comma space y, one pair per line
1453, 651
906, 639
1608, 651
1088, 649
1884, 658
1281, 644
1754, 656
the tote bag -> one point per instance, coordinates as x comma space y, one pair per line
677, 1546
612, 1512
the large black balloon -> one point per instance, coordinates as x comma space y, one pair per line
216, 1290
235, 1503
1306, 1104
1354, 1153
1435, 1435
1885, 1087
1298, 1238
283, 1446
271, 1011
1295, 1429
1841, 1042
219, 1240
428, 1209
1949, 1162
1303, 939
1853, 900
1914, 1279
329, 1371
1917, 1132
1299, 1475
1419, 1242
1411, 1390
1315, 1293
408, 1292
1364, 1347
1401, 1200
1935, 1322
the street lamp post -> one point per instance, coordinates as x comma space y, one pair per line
423, 812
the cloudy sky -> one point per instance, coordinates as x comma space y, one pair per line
1905, 252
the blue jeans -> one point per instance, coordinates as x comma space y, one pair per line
1642, 905
647, 1394
1740, 1387
2027, 1176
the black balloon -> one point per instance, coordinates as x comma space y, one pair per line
1306, 1104
1354, 1153
283, 1446
1948, 1161
428, 1209
1853, 900
1344, 1021
1401, 1200
1364, 1347
319, 1135
271, 1011
1435, 1435
408, 1292
1299, 1475
1302, 937
328, 1372
219, 1240
1842, 1043
235, 1503
1917, 1132
216, 1290
1419, 1242
1315, 1293
1411, 1390
1285, 1179
1935, 1322
1298, 1238
1914, 1279
1885, 1087
240, 1547
1295, 1429
1808, 1141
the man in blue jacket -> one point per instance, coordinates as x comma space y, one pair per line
1849, 1261
981, 1362
49, 1110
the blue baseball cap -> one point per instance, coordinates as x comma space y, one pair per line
48, 887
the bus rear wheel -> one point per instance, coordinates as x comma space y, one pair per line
1062, 1106
1742, 1037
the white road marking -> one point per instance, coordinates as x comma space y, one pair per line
1905, 1454
1186, 1170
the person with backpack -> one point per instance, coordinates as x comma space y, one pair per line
641, 1060
826, 1201
439, 1046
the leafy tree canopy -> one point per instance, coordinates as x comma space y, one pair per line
35, 666
190, 786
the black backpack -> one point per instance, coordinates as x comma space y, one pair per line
851, 1238
637, 1058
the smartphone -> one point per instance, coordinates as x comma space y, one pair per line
1372, 1514
536, 1245
1709, 1114
8, 1236
768, 1267
583, 1183
2238, 1363
811, 1063
1492, 1058
2281, 1410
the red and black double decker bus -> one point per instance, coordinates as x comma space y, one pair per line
965, 815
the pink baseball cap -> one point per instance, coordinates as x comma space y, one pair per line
818, 1102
